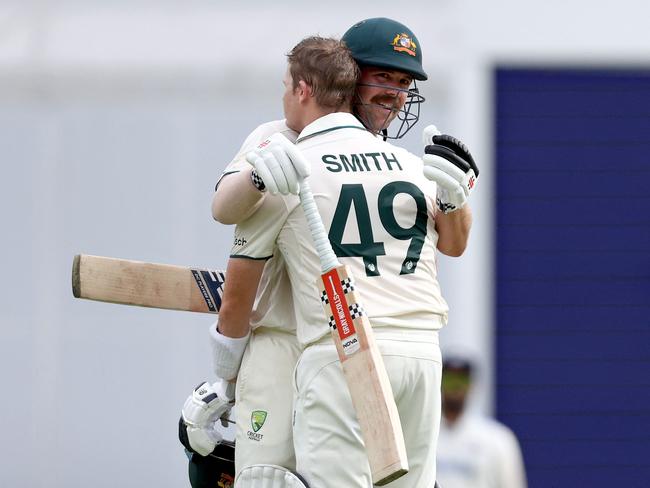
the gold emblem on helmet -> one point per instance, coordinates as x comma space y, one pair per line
404, 43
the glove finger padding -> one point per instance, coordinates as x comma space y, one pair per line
257, 161
456, 147
454, 173
201, 412
202, 440
448, 162
204, 405
445, 182
448, 155
300, 163
274, 167
287, 168
279, 164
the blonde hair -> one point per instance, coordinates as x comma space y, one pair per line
326, 65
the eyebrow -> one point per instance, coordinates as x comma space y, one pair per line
393, 72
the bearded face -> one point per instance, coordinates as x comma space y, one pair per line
384, 94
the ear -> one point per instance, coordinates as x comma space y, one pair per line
304, 91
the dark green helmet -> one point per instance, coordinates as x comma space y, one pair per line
385, 43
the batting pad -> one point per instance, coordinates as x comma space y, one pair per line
268, 476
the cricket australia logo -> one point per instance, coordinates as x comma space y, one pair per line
258, 417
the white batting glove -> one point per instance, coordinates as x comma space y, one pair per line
279, 164
202, 412
448, 162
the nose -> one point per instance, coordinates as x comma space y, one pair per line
392, 91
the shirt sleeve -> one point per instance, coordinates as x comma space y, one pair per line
254, 138
255, 237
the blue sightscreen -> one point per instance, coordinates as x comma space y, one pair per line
573, 272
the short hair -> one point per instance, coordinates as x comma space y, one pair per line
327, 66
458, 363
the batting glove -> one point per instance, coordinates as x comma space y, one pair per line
279, 164
448, 162
203, 410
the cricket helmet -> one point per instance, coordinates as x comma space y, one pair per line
385, 43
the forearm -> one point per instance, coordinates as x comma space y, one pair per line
235, 198
453, 231
239, 296
230, 336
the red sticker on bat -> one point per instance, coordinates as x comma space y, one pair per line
340, 312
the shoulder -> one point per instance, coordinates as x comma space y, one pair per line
499, 434
267, 129
402, 153
497, 427
481, 425
259, 134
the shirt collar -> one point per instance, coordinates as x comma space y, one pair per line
330, 122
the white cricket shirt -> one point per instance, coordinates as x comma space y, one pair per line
378, 209
273, 306
478, 452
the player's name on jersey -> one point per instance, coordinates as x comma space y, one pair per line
376, 161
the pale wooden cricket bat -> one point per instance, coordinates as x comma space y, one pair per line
147, 284
363, 366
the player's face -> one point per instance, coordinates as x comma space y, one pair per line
290, 102
455, 386
381, 94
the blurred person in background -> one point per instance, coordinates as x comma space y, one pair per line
473, 451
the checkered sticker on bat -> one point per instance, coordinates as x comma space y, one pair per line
356, 311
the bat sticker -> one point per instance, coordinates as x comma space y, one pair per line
341, 311
211, 286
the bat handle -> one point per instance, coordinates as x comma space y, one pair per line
324, 249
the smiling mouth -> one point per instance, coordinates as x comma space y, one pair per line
388, 107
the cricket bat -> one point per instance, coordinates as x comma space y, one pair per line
147, 284
363, 366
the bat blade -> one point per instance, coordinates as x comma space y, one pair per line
366, 376
362, 363
153, 285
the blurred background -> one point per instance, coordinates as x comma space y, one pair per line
116, 118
